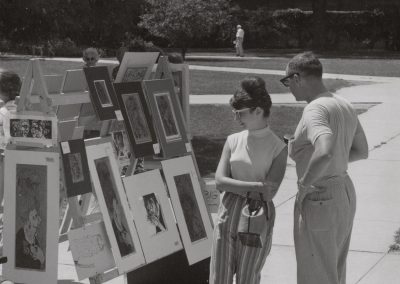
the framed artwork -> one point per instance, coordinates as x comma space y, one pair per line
101, 91
189, 207
136, 66
167, 115
91, 250
76, 169
114, 207
138, 122
31, 233
32, 127
153, 214
122, 149
180, 76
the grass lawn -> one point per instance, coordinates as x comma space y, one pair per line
208, 82
371, 67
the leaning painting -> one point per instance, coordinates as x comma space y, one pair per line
190, 209
31, 237
113, 204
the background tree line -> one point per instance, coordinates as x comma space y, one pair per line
63, 27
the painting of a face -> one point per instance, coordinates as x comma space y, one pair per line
137, 119
167, 116
102, 93
190, 207
30, 235
155, 216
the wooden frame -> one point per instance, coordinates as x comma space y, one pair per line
153, 214
91, 250
111, 197
76, 169
167, 116
29, 128
136, 66
101, 91
138, 122
189, 207
31, 237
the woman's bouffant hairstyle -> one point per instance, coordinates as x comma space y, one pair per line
10, 83
251, 95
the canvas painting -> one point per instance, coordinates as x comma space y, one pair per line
91, 250
101, 92
31, 236
114, 207
189, 206
165, 109
152, 213
76, 170
138, 122
32, 128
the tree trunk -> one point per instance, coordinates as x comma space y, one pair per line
319, 22
183, 52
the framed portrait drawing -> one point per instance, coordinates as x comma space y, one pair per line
32, 128
153, 214
136, 66
167, 116
122, 149
76, 169
114, 207
189, 207
91, 250
31, 232
101, 91
136, 114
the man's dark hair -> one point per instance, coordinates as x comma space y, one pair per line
306, 63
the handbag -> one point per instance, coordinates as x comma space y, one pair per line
253, 222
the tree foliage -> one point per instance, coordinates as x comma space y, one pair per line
185, 23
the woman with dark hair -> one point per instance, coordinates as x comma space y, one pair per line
253, 161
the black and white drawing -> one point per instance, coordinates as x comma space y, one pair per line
102, 93
167, 115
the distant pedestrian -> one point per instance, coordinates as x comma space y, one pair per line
90, 56
328, 137
239, 41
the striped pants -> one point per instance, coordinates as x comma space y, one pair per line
229, 256
322, 232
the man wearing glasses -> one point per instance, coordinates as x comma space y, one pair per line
328, 137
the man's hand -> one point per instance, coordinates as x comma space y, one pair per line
303, 191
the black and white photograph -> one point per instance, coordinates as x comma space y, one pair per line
102, 93
109, 189
135, 66
30, 235
167, 115
190, 207
76, 169
31, 211
118, 218
137, 118
155, 216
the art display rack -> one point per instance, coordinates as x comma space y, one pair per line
76, 214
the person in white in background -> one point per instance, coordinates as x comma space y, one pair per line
239, 41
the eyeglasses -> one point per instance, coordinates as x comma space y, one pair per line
236, 112
90, 58
285, 80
